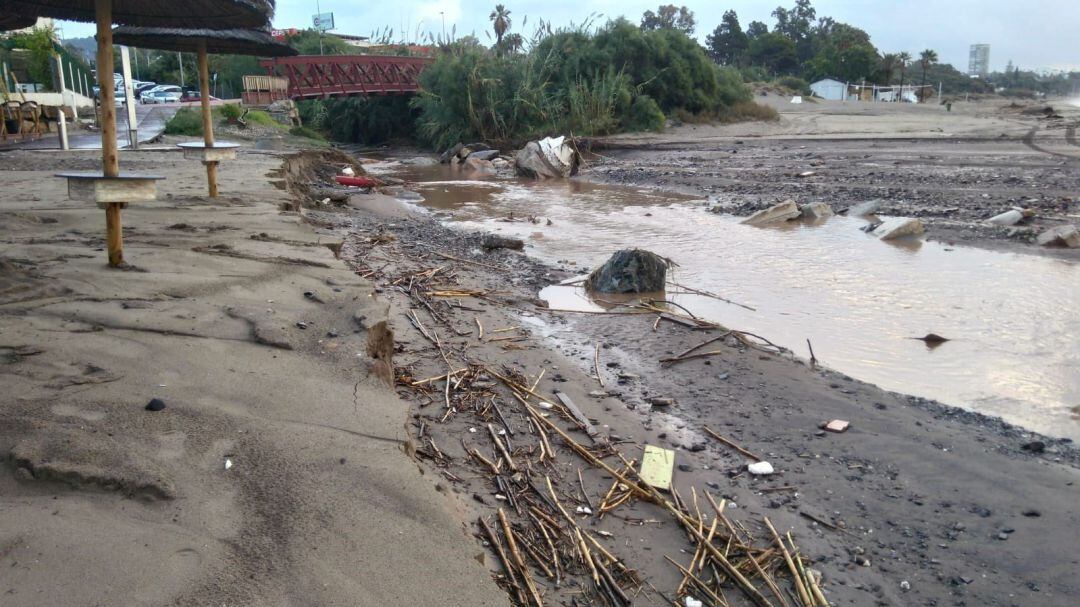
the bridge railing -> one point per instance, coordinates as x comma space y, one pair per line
318, 76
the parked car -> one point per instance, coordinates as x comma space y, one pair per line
142, 88
170, 88
161, 97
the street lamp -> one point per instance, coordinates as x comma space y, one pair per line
442, 16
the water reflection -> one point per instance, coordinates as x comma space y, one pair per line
1012, 319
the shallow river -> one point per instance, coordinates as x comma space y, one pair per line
1014, 319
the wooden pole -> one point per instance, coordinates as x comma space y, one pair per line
110, 156
207, 117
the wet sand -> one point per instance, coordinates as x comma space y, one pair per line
277, 473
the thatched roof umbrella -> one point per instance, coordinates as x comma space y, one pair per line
204, 41
15, 21
111, 189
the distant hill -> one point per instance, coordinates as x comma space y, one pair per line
86, 48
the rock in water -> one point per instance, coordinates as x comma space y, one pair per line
630, 271
547, 158
816, 210
1060, 236
783, 211
898, 227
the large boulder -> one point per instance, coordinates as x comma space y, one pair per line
479, 165
816, 210
548, 158
1060, 236
784, 211
630, 271
898, 227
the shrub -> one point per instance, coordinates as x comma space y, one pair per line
644, 115
794, 83
303, 131
230, 111
754, 73
262, 118
186, 121
747, 110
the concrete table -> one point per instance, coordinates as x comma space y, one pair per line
112, 194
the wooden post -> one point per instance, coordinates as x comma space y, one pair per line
207, 117
110, 156
114, 234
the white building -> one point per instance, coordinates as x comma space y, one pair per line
829, 88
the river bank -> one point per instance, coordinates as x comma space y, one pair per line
911, 496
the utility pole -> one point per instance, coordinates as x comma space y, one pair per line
180, 58
442, 15
318, 11
58, 65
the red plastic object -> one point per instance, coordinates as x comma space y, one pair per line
360, 182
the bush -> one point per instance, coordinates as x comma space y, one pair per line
230, 111
309, 133
262, 118
186, 121
754, 73
794, 83
743, 111
644, 115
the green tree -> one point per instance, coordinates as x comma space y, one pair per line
756, 29
927, 58
775, 52
306, 42
727, 44
888, 66
903, 61
500, 22
669, 16
796, 24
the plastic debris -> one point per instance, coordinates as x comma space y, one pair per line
760, 468
657, 466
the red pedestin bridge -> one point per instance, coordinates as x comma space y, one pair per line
319, 76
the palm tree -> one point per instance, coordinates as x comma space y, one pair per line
889, 64
926, 59
904, 60
500, 19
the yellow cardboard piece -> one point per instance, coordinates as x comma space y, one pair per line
657, 466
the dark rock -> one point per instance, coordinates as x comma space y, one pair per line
697, 447
630, 271
1035, 446
451, 153
483, 154
494, 241
685, 467
155, 404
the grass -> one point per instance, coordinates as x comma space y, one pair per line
746, 111
188, 121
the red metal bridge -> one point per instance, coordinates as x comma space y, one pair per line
318, 76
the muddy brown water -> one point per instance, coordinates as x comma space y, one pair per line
1012, 318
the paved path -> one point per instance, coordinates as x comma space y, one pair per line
150, 119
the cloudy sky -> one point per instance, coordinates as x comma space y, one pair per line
1032, 33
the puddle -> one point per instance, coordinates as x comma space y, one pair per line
1012, 318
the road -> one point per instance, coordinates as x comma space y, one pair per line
150, 119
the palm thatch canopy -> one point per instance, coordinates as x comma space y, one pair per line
218, 42
15, 21
213, 14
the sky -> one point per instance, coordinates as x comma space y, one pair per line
1034, 34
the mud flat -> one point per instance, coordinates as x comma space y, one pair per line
276, 473
952, 169
916, 504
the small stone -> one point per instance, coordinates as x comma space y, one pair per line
1035, 446
1032, 513
1003, 536
301, 324
905, 585
155, 404
332, 333
697, 447
685, 467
